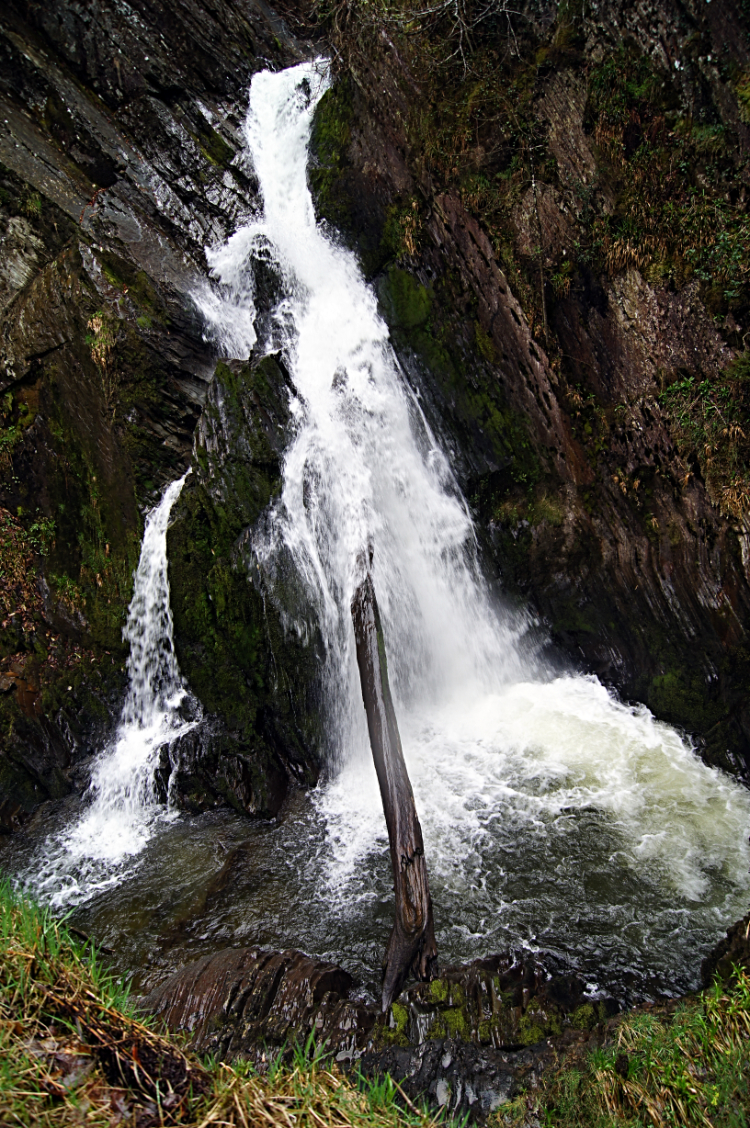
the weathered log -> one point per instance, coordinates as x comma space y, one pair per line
411, 946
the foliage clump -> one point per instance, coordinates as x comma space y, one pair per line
101, 339
691, 1068
710, 417
678, 211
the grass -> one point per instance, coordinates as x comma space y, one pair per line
74, 1051
689, 1069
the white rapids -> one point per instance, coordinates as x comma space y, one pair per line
124, 809
506, 759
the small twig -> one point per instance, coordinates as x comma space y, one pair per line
92, 202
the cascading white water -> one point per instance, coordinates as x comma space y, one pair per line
124, 805
507, 760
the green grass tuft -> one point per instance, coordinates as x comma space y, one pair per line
73, 1051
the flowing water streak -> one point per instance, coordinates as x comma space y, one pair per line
158, 709
508, 762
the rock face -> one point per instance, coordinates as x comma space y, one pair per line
468, 1040
527, 221
245, 643
119, 162
733, 951
237, 1001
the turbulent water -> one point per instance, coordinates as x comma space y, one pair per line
530, 787
554, 816
124, 808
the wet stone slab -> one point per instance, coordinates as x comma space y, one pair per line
469, 1040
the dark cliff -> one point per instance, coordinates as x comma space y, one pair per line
119, 161
552, 206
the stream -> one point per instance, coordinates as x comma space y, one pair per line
555, 818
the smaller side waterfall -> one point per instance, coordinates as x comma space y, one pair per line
158, 709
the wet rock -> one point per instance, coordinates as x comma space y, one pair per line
504, 1001
243, 1001
475, 1082
733, 951
468, 1041
211, 767
246, 641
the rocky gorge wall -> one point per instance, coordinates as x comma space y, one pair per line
120, 159
552, 205
554, 217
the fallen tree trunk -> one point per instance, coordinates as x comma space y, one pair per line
411, 946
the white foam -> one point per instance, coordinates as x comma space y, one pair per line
513, 762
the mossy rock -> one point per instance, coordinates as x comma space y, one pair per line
256, 679
395, 1027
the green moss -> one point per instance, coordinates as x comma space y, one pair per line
485, 346
743, 98
438, 990
213, 146
124, 276
329, 142
572, 619
530, 1032
92, 506
32, 205
233, 648
406, 301
395, 1033
680, 699
457, 995
547, 508
584, 1017
422, 321
455, 1021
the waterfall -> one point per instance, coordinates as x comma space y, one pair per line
516, 770
553, 814
124, 807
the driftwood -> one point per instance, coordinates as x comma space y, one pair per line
411, 946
